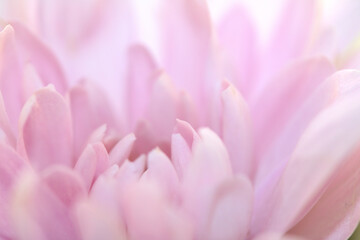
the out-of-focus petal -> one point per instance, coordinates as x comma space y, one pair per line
238, 39
33, 50
45, 134
92, 162
318, 158
121, 151
181, 146
237, 131
209, 166
95, 222
141, 76
291, 35
38, 213
10, 166
278, 104
186, 38
162, 172
10, 75
156, 219
231, 210
90, 109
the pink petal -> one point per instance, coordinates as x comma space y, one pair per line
237, 131
38, 213
131, 171
10, 74
231, 210
45, 130
162, 108
291, 35
5, 125
318, 158
64, 183
92, 162
161, 171
181, 146
10, 166
276, 236
208, 168
141, 76
338, 210
279, 102
238, 39
96, 222
90, 109
122, 149
34, 51
186, 38
154, 220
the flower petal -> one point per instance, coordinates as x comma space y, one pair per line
121, 151
45, 130
232, 208
238, 39
92, 162
318, 157
237, 131
141, 76
90, 109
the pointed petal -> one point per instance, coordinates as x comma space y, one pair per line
181, 146
161, 171
238, 39
45, 130
122, 149
90, 109
186, 38
92, 162
236, 131
209, 166
141, 76
10, 75
32, 50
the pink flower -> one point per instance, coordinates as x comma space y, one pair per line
218, 135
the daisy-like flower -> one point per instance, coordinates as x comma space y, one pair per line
199, 130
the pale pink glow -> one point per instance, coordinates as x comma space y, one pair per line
182, 119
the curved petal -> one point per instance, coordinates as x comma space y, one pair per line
237, 131
154, 220
10, 166
318, 158
209, 166
121, 151
238, 39
90, 109
45, 130
141, 75
161, 171
96, 222
231, 210
92, 162
38, 213
279, 101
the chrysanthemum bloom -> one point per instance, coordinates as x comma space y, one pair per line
220, 136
